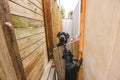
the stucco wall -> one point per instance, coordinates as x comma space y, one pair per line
76, 20
102, 40
67, 26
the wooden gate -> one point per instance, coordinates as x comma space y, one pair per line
58, 52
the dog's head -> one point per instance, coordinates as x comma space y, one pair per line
63, 37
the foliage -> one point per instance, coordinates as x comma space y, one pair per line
62, 12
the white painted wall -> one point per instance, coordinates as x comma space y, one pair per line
72, 26
76, 20
67, 26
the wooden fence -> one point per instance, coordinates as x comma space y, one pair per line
28, 21
58, 52
25, 34
57, 20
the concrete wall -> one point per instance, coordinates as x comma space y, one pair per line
102, 40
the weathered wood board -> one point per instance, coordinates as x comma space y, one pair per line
74, 48
31, 5
29, 49
49, 26
28, 21
60, 64
24, 22
47, 71
10, 62
52, 75
21, 8
57, 20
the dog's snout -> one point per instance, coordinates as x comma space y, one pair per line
62, 38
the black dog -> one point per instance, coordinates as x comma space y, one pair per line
71, 66
63, 38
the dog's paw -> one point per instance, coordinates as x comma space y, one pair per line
81, 60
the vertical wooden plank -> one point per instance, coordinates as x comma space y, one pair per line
52, 74
10, 61
55, 55
57, 22
58, 52
2, 75
47, 70
48, 26
82, 24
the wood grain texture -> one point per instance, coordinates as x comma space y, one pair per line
38, 58
57, 20
23, 22
28, 32
2, 74
28, 20
74, 48
29, 40
36, 73
47, 71
10, 60
27, 51
38, 3
48, 26
21, 11
52, 74
30, 5
60, 64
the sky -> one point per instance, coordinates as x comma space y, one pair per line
69, 4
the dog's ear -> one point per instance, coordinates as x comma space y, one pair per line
67, 35
63, 56
58, 35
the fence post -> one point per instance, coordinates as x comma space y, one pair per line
81, 41
11, 67
48, 26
